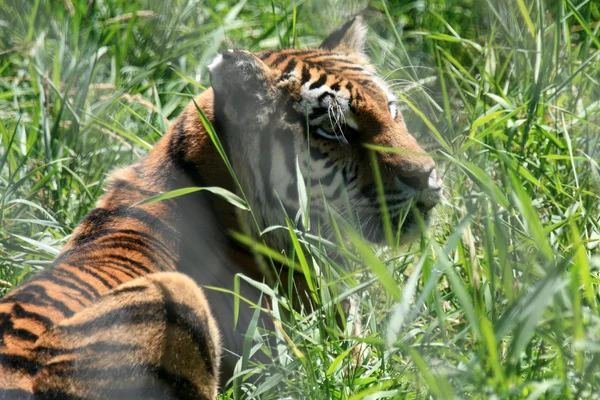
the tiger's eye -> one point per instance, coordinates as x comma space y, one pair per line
328, 128
327, 131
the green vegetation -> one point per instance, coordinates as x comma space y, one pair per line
500, 300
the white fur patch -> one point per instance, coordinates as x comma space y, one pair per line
218, 60
310, 101
392, 98
393, 109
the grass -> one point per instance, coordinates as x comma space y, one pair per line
500, 300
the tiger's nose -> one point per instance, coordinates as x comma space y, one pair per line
425, 178
430, 193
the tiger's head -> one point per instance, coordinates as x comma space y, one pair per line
314, 111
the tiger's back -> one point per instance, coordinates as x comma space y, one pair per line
105, 320
118, 315
104, 350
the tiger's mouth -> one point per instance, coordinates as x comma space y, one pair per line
407, 218
399, 217
405, 226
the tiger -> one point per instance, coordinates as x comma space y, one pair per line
124, 311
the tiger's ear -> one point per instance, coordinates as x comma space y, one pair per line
349, 38
238, 70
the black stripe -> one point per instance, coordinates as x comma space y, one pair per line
320, 82
123, 268
7, 328
19, 312
112, 276
121, 184
336, 62
56, 394
280, 58
302, 52
322, 58
129, 244
288, 70
188, 319
77, 280
155, 223
182, 387
348, 178
96, 347
316, 154
179, 172
51, 277
126, 262
263, 55
100, 217
305, 74
177, 143
127, 315
36, 295
98, 234
141, 243
20, 363
364, 82
108, 260
316, 54
324, 95
327, 180
318, 112
93, 274
100, 263
292, 117
129, 289
292, 192
75, 299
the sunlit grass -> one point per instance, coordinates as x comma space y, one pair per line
500, 298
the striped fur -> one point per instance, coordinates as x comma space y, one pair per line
102, 351
117, 316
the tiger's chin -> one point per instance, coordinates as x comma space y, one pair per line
405, 228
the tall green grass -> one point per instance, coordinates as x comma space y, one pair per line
499, 300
